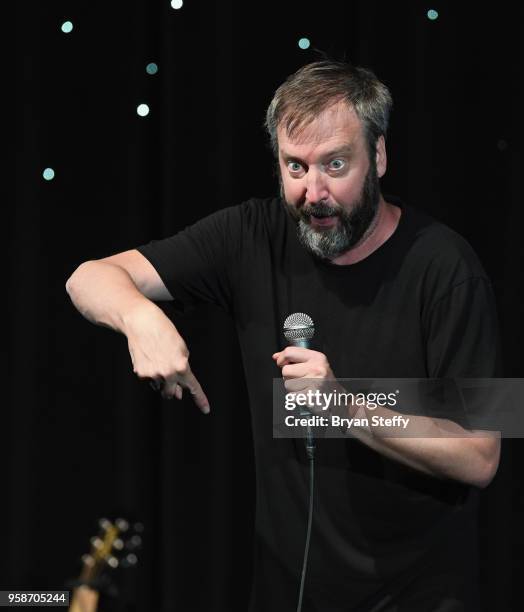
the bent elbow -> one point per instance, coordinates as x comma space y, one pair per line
68, 285
71, 279
487, 474
486, 458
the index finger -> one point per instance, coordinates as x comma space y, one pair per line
292, 354
190, 383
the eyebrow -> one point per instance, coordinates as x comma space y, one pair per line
345, 149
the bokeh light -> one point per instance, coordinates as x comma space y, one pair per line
67, 27
151, 68
304, 43
48, 174
432, 14
142, 110
177, 4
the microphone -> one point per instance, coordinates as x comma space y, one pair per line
298, 331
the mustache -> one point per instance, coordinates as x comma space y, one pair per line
319, 210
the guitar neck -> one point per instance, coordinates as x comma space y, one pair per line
107, 553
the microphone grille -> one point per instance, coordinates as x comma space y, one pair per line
299, 326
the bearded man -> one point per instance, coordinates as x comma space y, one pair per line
393, 293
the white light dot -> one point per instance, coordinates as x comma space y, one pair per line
67, 27
48, 174
432, 14
304, 43
142, 110
177, 4
152, 68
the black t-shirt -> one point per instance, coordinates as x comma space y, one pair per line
419, 306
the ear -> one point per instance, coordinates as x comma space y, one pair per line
381, 157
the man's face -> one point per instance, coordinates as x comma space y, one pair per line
328, 182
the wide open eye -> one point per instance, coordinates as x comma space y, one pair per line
294, 167
336, 164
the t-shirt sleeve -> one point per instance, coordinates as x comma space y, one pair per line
463, 344
199, 263
462, 332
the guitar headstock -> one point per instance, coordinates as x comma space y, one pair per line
116, 545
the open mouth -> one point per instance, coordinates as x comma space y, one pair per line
323, 220
322, 215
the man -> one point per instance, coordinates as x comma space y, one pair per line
393, 293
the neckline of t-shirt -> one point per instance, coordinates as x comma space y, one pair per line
378, 253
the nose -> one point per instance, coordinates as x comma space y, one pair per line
316, 186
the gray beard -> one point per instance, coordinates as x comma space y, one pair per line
351, 227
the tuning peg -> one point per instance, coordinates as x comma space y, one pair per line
129, 560
134, 542
104, 524
112, 561
122, 524
96, 542
88, 560
118, 544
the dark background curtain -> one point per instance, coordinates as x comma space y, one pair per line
84, 438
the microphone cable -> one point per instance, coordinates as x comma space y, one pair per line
310, 449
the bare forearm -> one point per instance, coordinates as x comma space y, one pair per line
105, 294
444, 449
